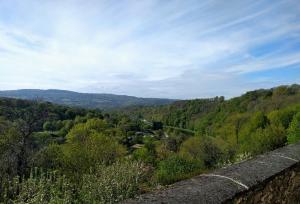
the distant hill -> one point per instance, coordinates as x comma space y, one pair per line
85, 100
200, 114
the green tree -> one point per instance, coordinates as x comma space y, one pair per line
294, 129
282, 117
175, 168
147, 154
10, 149
201, 149
50, 157
262, 140
88, 146
49, 126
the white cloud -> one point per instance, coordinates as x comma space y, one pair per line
144, 48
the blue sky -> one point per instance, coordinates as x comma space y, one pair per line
150, 48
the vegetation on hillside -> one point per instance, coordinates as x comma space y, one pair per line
57, 154
84, 100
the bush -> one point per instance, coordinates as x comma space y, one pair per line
39, 188
87, 146
294, 130
111, 184
81, 157
49, 157
145, 155
262, 140
202, 149
175, 168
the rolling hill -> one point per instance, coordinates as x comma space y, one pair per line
85, 100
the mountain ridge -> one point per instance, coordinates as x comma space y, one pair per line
84, 100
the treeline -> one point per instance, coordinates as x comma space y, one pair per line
57, 154
225, 130
200, 114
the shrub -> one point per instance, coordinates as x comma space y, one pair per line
202, 149
262, 140
80, 157
50, 157
145, 155
111, 184
87, 146
175, 168
39, 188
294, 130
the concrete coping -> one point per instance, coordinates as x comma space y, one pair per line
225, 184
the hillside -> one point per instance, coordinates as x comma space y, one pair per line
75, 155
202, 114
85, 100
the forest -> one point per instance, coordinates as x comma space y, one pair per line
84, 100
57, 154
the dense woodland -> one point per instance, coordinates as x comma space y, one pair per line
56, 154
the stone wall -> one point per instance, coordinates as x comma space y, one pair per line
273, 177
283, 188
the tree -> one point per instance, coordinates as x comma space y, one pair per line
50, 157
262, 140
258, 120
147, 153
201, 149
282, 117
10, 149
88, 146
157, 125
29, 121
49, 126
294, 129
175, 168
82, 131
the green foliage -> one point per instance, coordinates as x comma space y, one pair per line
10, 149
264, 139
50, 157
146, 154
294, 130
98, 149
39, 188
111, 184
96, 158
87, 146
175, 168
92, 101
258, 120
282, 117
82, 131
201, 149
205, 114
53, 125
107, 184
42, 139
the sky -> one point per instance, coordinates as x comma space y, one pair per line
179, 49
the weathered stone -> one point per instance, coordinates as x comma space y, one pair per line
276, 191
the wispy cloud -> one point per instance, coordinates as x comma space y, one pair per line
153, 48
